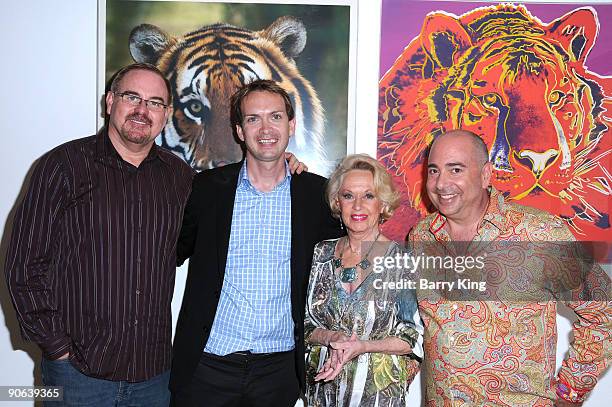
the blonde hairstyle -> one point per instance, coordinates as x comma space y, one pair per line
383, 184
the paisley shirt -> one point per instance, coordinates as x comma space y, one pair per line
502, 353
373, 313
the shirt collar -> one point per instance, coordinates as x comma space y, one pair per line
245, 183
106, 150
104, 147
496, 211
495, 215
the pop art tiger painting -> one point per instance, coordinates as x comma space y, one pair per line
524, 87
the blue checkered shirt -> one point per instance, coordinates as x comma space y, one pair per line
254, 311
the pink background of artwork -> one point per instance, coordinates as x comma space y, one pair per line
402, 21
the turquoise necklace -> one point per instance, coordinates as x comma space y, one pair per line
349, 274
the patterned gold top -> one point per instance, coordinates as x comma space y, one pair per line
373, 312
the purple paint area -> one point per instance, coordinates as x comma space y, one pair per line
402, 21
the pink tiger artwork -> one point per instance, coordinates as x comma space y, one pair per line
522, 85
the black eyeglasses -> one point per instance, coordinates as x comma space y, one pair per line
134, 100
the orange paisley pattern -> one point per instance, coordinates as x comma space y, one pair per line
502, 353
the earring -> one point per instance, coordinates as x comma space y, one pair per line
341, 224
381, 218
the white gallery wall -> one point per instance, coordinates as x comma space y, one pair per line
48, 75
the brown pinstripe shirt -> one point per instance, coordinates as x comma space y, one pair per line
91, 263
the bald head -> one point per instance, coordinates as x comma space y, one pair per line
478, 150
458, 176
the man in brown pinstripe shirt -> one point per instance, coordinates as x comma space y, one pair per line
91, 263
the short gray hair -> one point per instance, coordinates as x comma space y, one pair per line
383, 184
140, 66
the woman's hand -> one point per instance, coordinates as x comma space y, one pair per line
350, 347
341, 352
332, 366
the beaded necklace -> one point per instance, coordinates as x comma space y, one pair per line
349, 274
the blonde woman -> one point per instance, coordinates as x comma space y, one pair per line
363, 341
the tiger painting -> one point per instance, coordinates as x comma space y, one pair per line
206, 66
524, 87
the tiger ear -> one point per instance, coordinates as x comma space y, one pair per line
576, 32
289, 34
148, 43
444, 39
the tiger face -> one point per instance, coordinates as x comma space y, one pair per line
524, 88
206, 66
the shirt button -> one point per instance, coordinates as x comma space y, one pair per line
135, 322
138, 260
137, 292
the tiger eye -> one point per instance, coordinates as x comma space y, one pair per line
490, 98
554, 97
195, 107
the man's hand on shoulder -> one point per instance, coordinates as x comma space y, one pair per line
295, 166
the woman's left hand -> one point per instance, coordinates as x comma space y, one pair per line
349, 348
342, 351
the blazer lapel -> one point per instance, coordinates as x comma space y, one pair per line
226, 195
297, 238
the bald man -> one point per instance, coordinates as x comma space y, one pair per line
496, 352
458, 176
